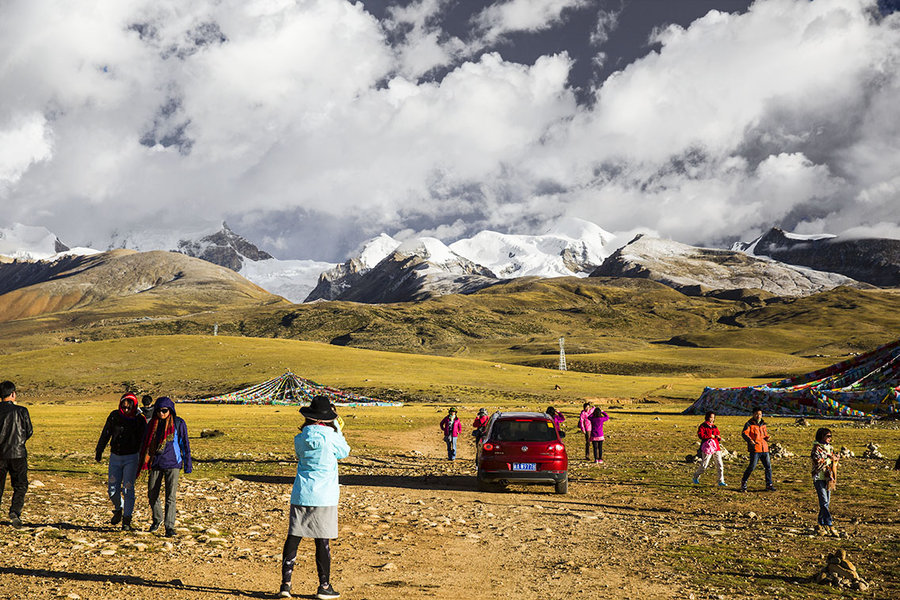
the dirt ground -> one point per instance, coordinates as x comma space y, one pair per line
413, 526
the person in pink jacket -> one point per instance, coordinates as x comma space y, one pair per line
596, 421
710, 449
451, 426
585, 427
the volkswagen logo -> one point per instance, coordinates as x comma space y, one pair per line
524, 448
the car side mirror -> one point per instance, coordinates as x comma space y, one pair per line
562, 434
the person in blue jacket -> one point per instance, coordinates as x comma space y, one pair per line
314, 499
165, 451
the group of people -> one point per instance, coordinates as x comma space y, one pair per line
756, 435
154, 439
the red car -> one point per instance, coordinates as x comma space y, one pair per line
522, 447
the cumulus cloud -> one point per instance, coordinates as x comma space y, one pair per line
502, 18
312, 124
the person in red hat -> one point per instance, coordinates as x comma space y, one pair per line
124, 432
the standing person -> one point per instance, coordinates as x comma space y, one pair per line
124, 432
557, 417
584, 427
824, 474
479, 425
451, 426
147, 407
710, 449
596, 421
165, 451
314, 499
757, 437
15, 429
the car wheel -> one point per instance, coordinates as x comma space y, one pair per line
562, 487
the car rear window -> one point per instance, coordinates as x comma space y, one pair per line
523, 430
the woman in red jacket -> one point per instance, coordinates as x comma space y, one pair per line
710, 449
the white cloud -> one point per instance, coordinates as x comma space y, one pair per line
512, 16
607, 22
136, 114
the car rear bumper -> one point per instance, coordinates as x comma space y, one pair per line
522, 476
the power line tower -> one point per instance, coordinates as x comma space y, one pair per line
562, 354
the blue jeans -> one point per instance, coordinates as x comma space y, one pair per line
122, 473
824, 499
451, 446
755, 457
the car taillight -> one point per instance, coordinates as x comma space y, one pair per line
487, 447
557, 447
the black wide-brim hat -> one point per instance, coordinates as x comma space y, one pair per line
319, 409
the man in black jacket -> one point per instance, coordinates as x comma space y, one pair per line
15, 429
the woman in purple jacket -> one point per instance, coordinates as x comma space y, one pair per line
596, 421
164, 453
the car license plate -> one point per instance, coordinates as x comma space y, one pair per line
524, 467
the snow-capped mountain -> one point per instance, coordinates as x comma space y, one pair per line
293, 280
341, 277
873, 260
224, 247
29, 243
416, 270
693, 271
571, 247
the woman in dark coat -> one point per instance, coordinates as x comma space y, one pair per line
124, 432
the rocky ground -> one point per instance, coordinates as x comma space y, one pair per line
413, 525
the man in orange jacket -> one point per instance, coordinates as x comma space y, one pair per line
757, 437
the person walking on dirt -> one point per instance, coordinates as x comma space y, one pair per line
585, 427
557, 417
164, 453
824, 474
756, 435
15, 429
124, 432
710, 449
595, 422
314, 499
452, 427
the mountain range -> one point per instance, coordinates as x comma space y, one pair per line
386, 270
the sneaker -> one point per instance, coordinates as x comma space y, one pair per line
117, 517
15, 521
723, 484
770, 488
126, 524
285, 591
695, 480
170, 532
154, 526
325, 592
743, 487
600, 462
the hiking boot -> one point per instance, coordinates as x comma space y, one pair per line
15, 521
770, 488
743, 487
170, 532
117, 517
695, 480
325, 592
126, 524
285, 591
154, 526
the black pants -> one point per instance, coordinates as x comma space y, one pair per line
18, 477
598, 449
289, 556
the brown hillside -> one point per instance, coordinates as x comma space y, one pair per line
148, 282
